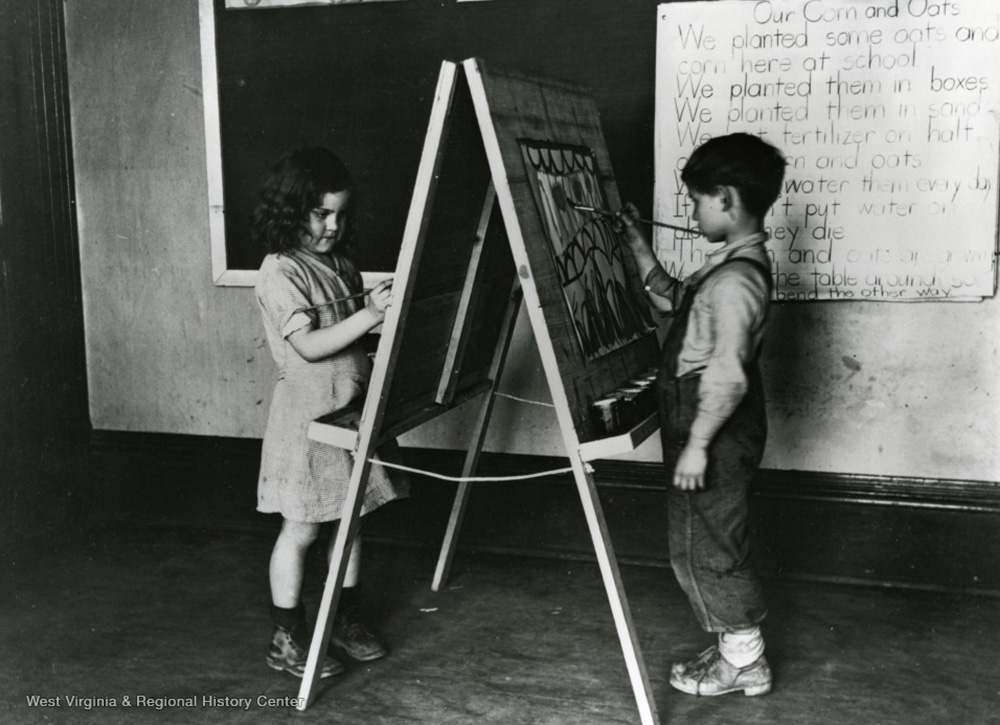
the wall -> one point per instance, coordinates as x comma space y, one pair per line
166, 350
867, 388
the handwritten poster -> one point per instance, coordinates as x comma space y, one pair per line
888, 113
587, 250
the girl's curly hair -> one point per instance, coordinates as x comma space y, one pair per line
294, 188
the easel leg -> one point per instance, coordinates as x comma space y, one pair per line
616, 593
450, 542
478, 438
346, 532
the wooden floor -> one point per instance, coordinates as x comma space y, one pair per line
164, 613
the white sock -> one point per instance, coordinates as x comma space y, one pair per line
742, 647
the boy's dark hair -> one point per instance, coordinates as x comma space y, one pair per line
294, 188
748, 163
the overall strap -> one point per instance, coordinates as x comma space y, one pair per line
765, 271
674, 341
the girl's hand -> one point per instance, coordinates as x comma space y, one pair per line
318, 343
379, 299
627, 223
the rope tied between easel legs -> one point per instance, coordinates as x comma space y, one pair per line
460, 479
524, 400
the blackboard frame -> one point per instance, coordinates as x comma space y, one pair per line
391, 92
224, 273
221, 274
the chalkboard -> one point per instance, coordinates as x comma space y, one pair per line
460, 228
359, 78
887, 113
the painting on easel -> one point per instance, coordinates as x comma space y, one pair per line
587, 249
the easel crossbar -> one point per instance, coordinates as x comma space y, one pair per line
464, 479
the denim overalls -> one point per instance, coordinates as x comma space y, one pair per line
708, 529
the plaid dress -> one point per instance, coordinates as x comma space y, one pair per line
301, 479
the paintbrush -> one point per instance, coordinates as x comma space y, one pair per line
606, 212
335, 301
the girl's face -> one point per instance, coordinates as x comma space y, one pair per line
327, 223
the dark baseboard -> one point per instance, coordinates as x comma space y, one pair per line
888, 531
848, 488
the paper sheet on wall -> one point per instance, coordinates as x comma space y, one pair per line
888, 113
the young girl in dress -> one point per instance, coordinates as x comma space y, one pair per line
315, 335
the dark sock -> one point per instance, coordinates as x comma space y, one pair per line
288, 617
350, 600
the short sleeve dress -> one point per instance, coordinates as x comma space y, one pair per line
301, 479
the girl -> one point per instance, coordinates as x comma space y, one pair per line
303, 219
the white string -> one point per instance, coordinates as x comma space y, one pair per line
541, 474
524, 400
459, 479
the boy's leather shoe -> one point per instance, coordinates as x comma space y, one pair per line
711, 674
354, 638
285, 654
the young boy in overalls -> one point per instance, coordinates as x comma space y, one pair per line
711, 402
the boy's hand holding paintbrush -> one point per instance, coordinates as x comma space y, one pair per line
627, 221
628, 217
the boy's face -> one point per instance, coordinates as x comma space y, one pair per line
327, 222
709, 214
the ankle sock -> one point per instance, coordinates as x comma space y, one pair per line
742, 647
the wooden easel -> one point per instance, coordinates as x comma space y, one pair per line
459, 283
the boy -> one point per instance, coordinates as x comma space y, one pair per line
711, 402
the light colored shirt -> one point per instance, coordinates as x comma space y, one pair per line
725, 327
301, 479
